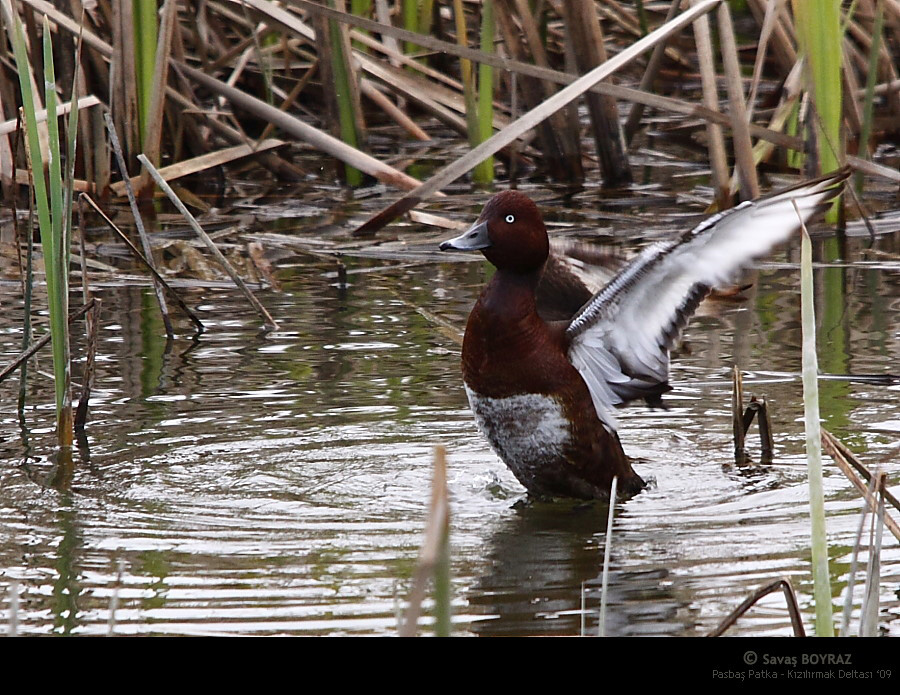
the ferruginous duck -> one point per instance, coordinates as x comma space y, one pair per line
544, 393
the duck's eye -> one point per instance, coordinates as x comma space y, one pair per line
510, 219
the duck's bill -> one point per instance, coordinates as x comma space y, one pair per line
474, 239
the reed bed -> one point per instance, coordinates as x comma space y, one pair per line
160, 75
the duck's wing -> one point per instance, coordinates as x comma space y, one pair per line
620, 339
573, 273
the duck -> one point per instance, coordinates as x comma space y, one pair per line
544, 390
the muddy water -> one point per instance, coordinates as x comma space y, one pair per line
251, 483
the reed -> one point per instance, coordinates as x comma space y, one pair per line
819, 545
347, 105
869, 100
434, 557
483, 172
51, 207
818, 25
145, 31
607, 553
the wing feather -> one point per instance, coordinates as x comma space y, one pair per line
620, 339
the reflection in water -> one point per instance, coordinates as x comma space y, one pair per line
543, 578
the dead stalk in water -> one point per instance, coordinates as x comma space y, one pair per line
160, 181
789, 596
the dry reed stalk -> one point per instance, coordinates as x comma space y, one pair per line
267, 158
782, 43
886, 62
716, 142
138, 222
334, 67
292, 96
765, 33
123, 98
743, 147
437, 528
10, 126
92, 321
833, 448
559, 100
430, 97
160, 181
371, 92
566, 143
294, 126
853, 116
146, 263
205, 161
583, 27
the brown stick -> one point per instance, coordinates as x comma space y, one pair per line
737, 416
789, 596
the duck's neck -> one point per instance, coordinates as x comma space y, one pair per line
511, 295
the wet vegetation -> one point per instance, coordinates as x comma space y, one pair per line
178, 162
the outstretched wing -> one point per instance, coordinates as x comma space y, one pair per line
620, 339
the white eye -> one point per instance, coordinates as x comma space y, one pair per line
510, 219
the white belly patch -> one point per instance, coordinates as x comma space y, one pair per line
527, 431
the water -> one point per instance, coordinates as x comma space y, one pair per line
250, 483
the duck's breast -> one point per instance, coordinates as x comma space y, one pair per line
528, 431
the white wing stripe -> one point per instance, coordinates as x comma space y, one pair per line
620, 339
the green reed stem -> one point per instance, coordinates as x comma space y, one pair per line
346, 116
819, 547
484, 172
145, 31
818, 25
869, 101
410, 22
50, 207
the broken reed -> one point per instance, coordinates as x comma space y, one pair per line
53, 205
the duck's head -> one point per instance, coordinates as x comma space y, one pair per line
509, 232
